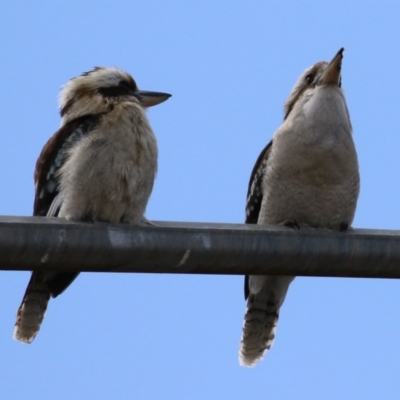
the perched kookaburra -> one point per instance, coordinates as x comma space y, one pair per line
99, 166
307, 175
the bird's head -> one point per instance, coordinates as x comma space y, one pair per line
96, 91
320, 74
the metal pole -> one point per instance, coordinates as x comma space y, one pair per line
36, 243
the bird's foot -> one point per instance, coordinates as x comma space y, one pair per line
291, 224
89, 220
146, 222
344, 226
82, 219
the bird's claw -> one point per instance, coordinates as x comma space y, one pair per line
291, 224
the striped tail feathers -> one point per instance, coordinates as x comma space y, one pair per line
258, 331
266, 296
32, 309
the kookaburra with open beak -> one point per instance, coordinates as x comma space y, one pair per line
307, 175
99, 166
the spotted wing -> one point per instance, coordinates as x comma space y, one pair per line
52, 158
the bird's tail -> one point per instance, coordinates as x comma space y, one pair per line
261, 318
31, 311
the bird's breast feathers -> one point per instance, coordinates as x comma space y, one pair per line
312, 171
109, 174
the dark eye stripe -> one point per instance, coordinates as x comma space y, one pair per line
114, 91
124, 88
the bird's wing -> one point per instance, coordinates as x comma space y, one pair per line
255, 196
52, 158
48, 200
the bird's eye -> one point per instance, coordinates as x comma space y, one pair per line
309, 79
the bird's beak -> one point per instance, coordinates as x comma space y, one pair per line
331, 75
148, 99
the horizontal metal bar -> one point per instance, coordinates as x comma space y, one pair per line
37, 243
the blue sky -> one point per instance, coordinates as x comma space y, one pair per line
229, 66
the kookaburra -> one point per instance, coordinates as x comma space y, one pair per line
99, 166
307, 175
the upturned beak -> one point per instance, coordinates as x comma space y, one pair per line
148, 99
331, 75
